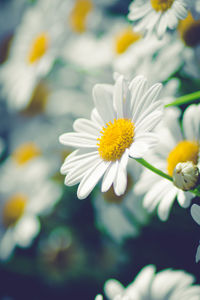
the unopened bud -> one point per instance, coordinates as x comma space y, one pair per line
186, 176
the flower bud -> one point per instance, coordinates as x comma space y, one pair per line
186, 175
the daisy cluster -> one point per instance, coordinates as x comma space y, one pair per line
107, 94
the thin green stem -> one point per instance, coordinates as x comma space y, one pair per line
153, 169
195, 192
185, 99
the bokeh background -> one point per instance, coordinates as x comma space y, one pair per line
72, 246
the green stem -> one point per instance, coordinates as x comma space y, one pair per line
185, 99
195, 192
153, 169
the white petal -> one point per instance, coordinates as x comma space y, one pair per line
113, 288
83, 125
109, 177
147, 98
195, 212
103, 98
118, 96
144, 279
166, 204
26, 229
73, 161
96, 118
80, 169
184, 198
142, 144
91, 178
149, 122
191, 123
76, 139
120, 181
138, 87
197, 258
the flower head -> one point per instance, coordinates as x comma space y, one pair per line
167, 284
121, 126
175, 146
155, 16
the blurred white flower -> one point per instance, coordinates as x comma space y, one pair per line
194, 6
121, 126
25, 194
125, 51
151, 65
55, 95
189, 31
167, 284
121, 216
156, 16
174, 147
35, 46
118, 47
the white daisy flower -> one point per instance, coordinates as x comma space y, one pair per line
35, 46
55, 95
121, 126
156, 16
167, 284
28, 196
121, 216
119, 47
175, 146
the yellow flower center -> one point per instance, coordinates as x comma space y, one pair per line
25, 153
13, 209
184, 151
189, 30
125, 39
79, 14
110, 195
116, 137
38, 48
38, 101
161, 5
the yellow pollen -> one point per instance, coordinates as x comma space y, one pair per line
125, 39
79, 14
38, 101
110, 195
184, 151
189, 30
161, 5
38, 48
25, 153
116, 137
13, 209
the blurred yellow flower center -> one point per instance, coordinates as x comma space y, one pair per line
161, 5
79, 14
189, 30
38, 48
110, 195
25, 153
38, 100
116, 137
13, 209
184, 151
125, 39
